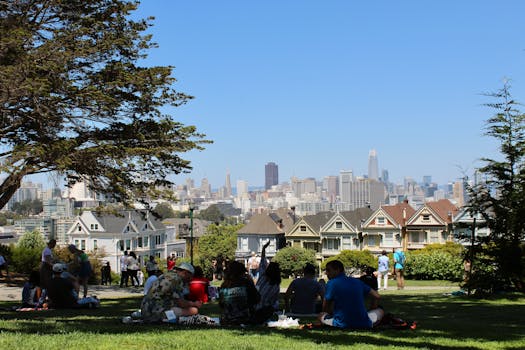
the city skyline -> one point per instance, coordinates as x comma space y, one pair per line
314, 86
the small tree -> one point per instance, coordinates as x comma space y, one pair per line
27, 253
219, 242
164, 211
292, 260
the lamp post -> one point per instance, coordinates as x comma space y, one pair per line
192, 208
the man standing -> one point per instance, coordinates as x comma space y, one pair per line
382, 270
46, 264
124, 276
344, 303
399, 267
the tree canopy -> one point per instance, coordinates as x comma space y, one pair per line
75, 100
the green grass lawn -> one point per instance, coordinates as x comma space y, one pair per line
444, 322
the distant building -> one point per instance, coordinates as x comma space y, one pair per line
271, 175
373, 167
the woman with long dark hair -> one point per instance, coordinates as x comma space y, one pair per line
237, 295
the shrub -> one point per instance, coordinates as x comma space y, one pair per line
354, 260
28, 251
293, 259
434, 265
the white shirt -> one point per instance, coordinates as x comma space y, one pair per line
149, 283
46, 252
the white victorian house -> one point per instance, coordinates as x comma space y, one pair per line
112, 234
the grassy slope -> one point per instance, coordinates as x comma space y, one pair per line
443, 323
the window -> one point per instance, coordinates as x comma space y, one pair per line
145, 227
338, 225
145, 241
121, 245
83, 244
128, 244
426, 217
79, 228
139, 243
303, 228
331, 244
94, 226
157, 239
434, 237
373, 240
347, 243
414, 237
76, 242
95, 244
388, 239
380, 220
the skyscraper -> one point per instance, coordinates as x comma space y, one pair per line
271, 175
228, 185
373, 168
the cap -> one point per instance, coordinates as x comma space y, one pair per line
59, 268
186, 266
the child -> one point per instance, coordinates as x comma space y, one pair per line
31, 292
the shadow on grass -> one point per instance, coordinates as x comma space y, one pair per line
439, 317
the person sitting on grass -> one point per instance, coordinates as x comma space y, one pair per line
31, 292
304, 292
268, 286
199, 286
150, 280
237, 295
167, 293
344, 303
61, 292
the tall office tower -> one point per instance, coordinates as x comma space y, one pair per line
373, 168
242, 188
228, 186
271, 175
345, 179
205, 187
458, 193
427, 180
190, 184
367, 193
331, 185
384, 176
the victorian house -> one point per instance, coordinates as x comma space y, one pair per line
306, 233
385, 228
264, 227
432, 223
344, 231
112, 234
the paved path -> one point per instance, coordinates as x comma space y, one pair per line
11, 292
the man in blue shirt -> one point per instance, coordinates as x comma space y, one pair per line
344, 303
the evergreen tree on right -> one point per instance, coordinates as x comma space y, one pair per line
498, 261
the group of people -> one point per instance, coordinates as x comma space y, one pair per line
341, 303
130, 269
54, 286
383, 269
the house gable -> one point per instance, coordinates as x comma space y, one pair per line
302, 229
380, 219
425, 216
338, 224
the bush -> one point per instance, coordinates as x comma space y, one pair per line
293, 259
354, 261
28, 252
434, 265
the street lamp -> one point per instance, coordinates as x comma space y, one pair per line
191, 208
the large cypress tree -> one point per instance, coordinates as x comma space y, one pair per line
75, 100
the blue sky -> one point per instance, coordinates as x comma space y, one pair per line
314, 85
